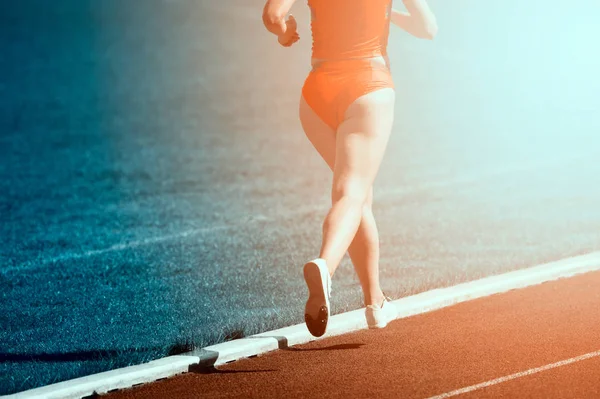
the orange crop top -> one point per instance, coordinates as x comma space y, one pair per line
344, 29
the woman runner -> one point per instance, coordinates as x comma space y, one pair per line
347, 112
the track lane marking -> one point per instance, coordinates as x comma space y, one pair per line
464, 179
515, 376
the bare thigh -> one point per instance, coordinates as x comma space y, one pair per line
318, 132
361, 140
322, 137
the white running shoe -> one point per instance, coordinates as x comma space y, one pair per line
379, 316
318, 281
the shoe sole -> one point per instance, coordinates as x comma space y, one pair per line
377, 326
317, 297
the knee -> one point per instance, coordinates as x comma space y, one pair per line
368, 204
352, 192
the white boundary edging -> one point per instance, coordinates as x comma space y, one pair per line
215, 355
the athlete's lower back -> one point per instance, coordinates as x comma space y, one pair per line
343, 29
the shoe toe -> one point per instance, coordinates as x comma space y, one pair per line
317, 326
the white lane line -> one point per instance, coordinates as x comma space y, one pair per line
30, 265
298, 334
516, 375
392, 191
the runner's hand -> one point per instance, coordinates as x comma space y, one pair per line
290, 36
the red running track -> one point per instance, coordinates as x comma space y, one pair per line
429, 354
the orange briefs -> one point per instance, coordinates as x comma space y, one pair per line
333, 85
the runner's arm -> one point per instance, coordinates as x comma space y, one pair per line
274, 14
419, 21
